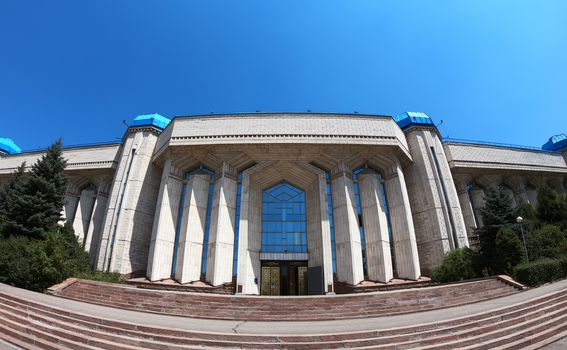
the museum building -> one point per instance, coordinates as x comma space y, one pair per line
287, 203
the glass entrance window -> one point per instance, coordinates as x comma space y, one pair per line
284, 227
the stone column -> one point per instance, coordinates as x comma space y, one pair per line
70, 208
461, 183
477, 196
221, 236
83, 214
347, 234
403, 231
250, 237
531, 193
378, 256
192, 231
508, 191
324, 239
92, 241
518, 186
165, 223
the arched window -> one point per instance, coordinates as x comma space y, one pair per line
284, 226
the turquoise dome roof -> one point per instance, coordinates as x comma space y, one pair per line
157, 120
408, 119
555, 143
8, 146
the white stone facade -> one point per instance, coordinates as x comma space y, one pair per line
147, 206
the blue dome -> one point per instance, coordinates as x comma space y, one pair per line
159, 121
408, 119
8, 146
555, 143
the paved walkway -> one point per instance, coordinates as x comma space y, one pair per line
299, 327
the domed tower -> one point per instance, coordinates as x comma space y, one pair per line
128, 223
437, 215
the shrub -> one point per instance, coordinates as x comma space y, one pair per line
15, 266
111, 277
541, 271
547, 242
39, 264
459, 264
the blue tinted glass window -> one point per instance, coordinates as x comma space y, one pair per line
284, 228
331, 223
207, 226
360, 223
237, 225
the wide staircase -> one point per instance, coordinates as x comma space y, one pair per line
307, 308
528, 324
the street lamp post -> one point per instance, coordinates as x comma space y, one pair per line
520, 221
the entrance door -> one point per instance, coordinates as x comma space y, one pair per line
270, 280
284, 278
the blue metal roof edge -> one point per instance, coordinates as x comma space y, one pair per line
408, 119
555, 143
9, 146
157, 120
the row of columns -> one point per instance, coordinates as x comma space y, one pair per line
187, 225
375, 223
85, 209
520, 189
190, 228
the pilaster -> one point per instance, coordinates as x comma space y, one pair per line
461, 185
477, 199
83, 213
347, 234
221, 236
192, 231
378, 255
403, 231
165, 223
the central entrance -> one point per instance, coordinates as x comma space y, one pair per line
284, 241
284, 278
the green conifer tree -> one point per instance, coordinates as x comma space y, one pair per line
32, 202
497, 213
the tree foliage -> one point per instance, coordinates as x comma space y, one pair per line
497, 213
548, 241
551, 207
509, 251
459, 264
34, 252
32, 201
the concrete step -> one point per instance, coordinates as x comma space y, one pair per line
288, 308
454, 337
499, 337
128, 335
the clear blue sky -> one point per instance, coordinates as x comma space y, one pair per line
492, 70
